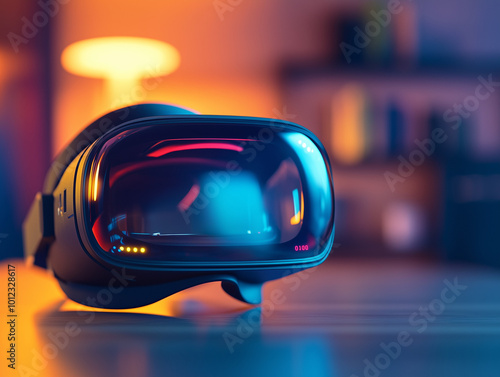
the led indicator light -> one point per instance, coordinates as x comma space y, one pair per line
133, 249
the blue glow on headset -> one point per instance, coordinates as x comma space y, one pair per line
317, 174
227, 214
296, 204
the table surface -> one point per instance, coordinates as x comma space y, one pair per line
348, 317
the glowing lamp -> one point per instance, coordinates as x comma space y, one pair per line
121, 61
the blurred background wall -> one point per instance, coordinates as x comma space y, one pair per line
391, 88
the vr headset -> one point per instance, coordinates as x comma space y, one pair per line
152, 199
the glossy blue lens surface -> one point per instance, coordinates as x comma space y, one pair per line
210, 192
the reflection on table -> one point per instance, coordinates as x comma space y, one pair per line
344, 318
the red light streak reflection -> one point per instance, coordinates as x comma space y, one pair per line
190, 197
176, 148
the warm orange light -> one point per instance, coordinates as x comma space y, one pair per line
301, 206
120, 57
348, 125
121, 61
299, 215
96, 181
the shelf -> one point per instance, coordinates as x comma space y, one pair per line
292, 71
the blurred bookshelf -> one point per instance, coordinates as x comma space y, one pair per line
387, 111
